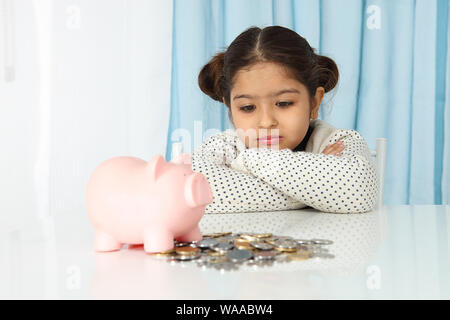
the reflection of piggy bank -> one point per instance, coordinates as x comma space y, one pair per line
130, 201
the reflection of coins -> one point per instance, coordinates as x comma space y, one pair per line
187, 250
323, 255
218, 259
299, 255
187, 257
265, 255
225, 266
260, 263
302, 247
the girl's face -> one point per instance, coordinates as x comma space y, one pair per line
260, 109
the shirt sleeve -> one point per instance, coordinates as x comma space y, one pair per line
235, 191
329, 183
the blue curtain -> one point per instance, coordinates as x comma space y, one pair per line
393, 63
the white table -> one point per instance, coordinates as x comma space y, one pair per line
397, 252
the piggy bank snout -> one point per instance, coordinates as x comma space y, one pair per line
198, 192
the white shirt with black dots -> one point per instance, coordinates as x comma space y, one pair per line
263, 179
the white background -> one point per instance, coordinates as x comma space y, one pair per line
80, 82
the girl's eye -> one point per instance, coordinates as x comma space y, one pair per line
282, 104
247, 108
285, 104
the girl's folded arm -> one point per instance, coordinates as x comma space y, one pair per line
338, 184
235, 191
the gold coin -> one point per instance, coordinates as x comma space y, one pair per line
226, 233
285, 250
167, 252
241, 241
262, 235
187, 250
212, 235
249, 236
215, 253
243, 244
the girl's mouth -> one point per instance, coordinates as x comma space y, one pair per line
270, 140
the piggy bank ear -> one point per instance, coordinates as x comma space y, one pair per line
197, 191
156, 166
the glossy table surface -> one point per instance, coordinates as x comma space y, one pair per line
396, 252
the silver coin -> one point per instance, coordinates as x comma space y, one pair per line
238, 255
222, 247
261, 245
303, 241
182, 244
286, 244
321, 241
207, 243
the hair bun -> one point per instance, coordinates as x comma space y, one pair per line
211, 77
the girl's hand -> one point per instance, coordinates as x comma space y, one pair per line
334, 149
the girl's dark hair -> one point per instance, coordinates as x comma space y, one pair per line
271, 44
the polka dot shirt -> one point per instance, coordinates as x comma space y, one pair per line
263, 179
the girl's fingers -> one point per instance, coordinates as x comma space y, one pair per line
334, 149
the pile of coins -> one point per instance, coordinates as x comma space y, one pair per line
228, 251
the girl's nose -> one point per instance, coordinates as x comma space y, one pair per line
267, 120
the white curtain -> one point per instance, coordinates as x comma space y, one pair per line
80, 81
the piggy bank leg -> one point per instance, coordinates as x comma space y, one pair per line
105, 242
157, 240
192, 235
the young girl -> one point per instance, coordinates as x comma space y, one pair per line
280, 156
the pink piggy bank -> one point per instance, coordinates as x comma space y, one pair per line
131, 201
